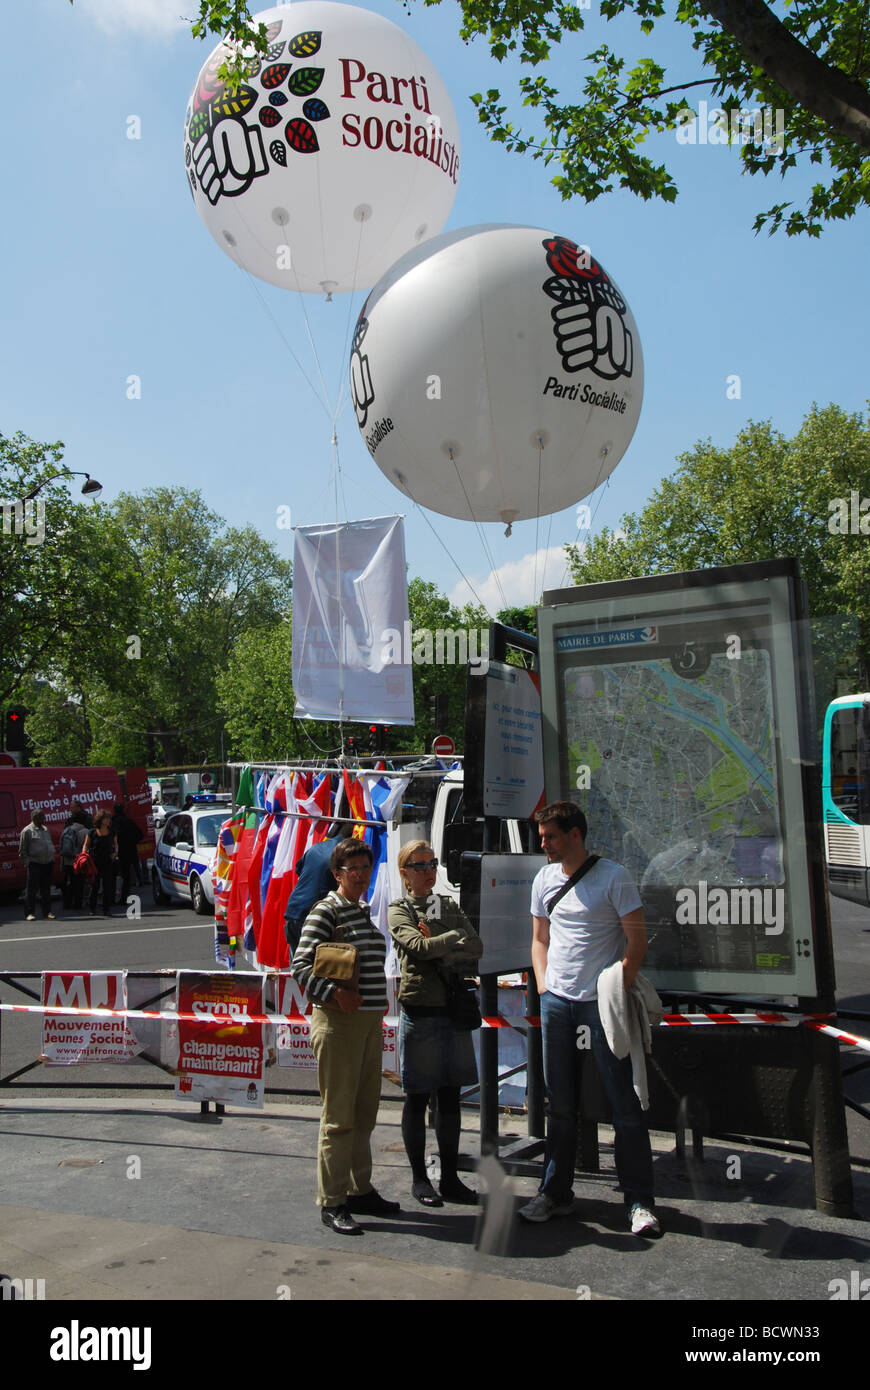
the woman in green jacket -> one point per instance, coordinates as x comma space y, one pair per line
433, 938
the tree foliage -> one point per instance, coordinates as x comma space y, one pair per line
256, 700
807, 67
766, 497
202, 585
57, 725
59, 571
114, 624
430, 609
809, 61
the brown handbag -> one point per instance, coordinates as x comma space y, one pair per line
338, 962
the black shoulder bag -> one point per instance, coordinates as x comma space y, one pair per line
463, 1007
587, 864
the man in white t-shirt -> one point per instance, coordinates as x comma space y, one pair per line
597, 922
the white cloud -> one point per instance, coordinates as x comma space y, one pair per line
153, 17
522, 581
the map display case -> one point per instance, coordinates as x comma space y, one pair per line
677, 711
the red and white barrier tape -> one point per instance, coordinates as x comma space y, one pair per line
781, 1020
669, 1020
838, 1033
169, 1016
818, 1022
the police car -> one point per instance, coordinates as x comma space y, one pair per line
184, 856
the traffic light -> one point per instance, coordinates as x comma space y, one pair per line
350, 745
378, 738
14, 736
440, 711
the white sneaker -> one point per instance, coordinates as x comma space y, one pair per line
30, 917
643, 1222
542, 1207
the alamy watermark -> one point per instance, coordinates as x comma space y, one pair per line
445, 647
77, 1343
854, 1288
732, 907
24, 518
849, 516
756, 126
28, 1289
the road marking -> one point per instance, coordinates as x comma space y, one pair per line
79, 936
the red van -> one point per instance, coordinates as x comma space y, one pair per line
24, 790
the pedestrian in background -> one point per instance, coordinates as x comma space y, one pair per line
315, 880
127, 835
72, 842
102, 846
36, 848
77, 812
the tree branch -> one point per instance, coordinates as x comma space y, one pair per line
826, 91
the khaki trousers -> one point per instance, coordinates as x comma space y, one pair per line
349, 1051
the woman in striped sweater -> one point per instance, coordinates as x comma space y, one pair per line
347, 1040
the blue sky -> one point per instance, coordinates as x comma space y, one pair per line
108, 272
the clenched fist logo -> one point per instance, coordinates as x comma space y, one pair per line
361, 388
589, 322
228, 157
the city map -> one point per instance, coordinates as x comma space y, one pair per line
679, 784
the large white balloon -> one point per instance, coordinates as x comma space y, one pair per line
497, 373
335, 157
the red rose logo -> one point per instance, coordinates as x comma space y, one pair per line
564, 257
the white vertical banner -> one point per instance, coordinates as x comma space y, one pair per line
350, 614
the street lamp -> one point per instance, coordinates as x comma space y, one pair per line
90, 488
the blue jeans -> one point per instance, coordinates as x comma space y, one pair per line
563, 1063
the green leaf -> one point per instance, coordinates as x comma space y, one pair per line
304, 81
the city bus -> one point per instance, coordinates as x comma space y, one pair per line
846, 797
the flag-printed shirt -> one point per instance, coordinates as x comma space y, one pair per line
357, 929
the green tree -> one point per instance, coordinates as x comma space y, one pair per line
431, 610
59, 572
766, 497
522, 619
202, 585
56, 726
255, 697
164, 592
809, 61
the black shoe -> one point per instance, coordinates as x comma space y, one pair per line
372, 1204
340, 1219
452, 1190
426, 1194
